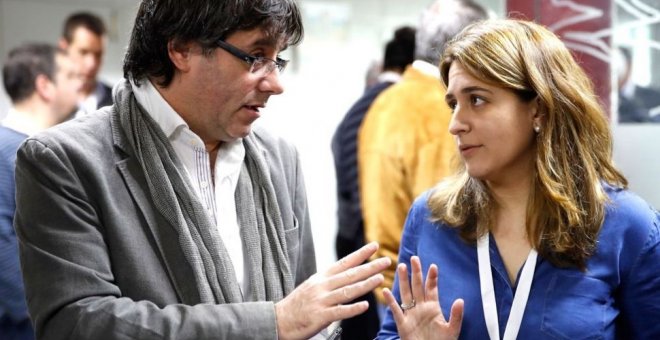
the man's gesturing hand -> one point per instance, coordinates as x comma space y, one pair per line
319, 301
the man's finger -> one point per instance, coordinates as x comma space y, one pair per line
351, 292
353, 259
359, 273
341, 312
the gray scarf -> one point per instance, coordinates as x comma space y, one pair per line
261, 228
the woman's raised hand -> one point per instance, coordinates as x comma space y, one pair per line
419, 316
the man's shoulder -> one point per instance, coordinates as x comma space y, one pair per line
79, 132
10, 136
270, 141
280, 155
411, 93
11, 140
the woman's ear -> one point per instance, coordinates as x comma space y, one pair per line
536, 109
536, 113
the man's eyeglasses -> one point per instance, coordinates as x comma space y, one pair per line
260, 66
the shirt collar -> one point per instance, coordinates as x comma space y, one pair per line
389, 76
21, 122
156, 106
426, 68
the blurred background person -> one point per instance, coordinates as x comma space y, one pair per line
399, 53
637, 104
84, 39
374, 70
404, 146
537, 232
42, 83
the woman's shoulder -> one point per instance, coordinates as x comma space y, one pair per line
626, 206
420, 212
420, 206
629, 218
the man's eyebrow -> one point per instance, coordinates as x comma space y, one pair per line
265, 41
269, 42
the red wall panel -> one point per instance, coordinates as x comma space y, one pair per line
584, 26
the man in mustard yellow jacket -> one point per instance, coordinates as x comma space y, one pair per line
404, 145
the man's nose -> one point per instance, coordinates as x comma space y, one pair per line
271, 83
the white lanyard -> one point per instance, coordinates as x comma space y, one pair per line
488, 292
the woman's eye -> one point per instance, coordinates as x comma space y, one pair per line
477, 100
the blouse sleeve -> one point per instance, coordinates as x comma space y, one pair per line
407, 249
639, 295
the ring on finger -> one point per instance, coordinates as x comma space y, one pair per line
406, 306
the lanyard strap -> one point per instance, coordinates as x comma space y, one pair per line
488, 292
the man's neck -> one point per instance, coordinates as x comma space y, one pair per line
88, 89
37, 112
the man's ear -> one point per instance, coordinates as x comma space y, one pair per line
180, 53
63, 44
43, 87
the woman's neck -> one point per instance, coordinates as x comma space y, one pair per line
511, 206
509, 227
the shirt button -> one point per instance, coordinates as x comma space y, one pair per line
204, 184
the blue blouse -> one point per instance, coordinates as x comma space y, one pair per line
618, 297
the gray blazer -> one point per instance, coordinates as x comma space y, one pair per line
99, 261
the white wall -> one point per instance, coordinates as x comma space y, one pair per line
636, 153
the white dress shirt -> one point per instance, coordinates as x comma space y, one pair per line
20, 122
219, 199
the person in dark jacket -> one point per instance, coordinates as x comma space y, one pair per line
399, 53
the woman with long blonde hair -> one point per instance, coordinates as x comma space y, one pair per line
536, 236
